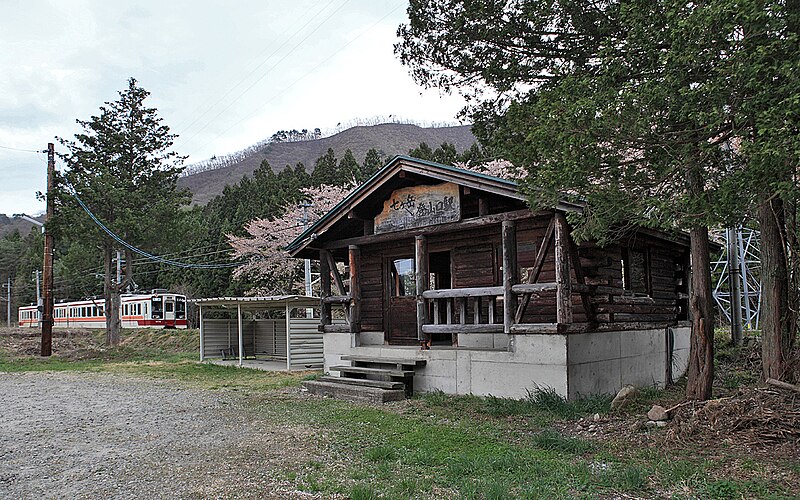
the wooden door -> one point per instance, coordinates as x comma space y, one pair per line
401, 317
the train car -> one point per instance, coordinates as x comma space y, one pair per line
148, 310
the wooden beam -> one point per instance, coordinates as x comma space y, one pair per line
355, 288
336, 276
335, 328
534, 288
536, 328
545, 328
466, 329
537, 269
444, 293
421, 270
563, 278
450, 227
510, 272
325, 287
336, 299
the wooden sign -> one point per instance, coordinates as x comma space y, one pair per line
419, 206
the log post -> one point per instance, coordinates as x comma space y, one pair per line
563, 280
355, 288
325, 287
421, 270
510, 271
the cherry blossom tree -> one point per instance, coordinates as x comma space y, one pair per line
262, 250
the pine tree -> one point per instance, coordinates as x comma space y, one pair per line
122, 167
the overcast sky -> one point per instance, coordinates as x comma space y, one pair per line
223, 75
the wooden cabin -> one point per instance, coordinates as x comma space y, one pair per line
450, 270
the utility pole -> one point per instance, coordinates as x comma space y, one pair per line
305, 206
8, 302
47, 267
38, 297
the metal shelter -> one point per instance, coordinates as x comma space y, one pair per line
295, 339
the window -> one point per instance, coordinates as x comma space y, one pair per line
636, 271
404, 279
168, 306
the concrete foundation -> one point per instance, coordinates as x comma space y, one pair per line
510, 366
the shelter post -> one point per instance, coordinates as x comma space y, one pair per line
509, 236
241, 337
325, 287
288, 337
563, 280
202, 338
421, 269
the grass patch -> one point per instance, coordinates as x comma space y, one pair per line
542, 404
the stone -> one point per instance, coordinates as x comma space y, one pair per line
596, 417
650, 423
657, 413
661, 423
623, 397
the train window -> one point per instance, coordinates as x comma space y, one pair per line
180, 308
139, 309
168, 306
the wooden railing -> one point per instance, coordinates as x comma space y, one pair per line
454, 302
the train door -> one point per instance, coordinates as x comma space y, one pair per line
169, 308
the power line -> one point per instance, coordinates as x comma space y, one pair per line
254, 70
142, 252
187, 141
305, 75
22, 150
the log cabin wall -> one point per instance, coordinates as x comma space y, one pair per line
476, 261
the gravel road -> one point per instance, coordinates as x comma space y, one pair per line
88, 435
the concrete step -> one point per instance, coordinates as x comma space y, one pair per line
373, 371
381, 384
351, 392
384, 361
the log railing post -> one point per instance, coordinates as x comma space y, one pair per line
510, 272
325, 288
563, 280
355, 288
421, 270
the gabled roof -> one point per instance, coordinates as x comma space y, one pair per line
438, 171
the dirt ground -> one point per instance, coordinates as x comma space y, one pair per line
90, 435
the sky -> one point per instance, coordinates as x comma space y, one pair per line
223, 75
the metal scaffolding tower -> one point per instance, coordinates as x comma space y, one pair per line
739, 264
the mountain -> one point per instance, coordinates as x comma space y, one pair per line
389, 138
9, 224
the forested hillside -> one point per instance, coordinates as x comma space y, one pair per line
389, 139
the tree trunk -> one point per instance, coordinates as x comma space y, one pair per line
112, 299
701, 346
775, 335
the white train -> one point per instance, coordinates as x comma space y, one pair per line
149, 310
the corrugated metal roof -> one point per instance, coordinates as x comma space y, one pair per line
271, 302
